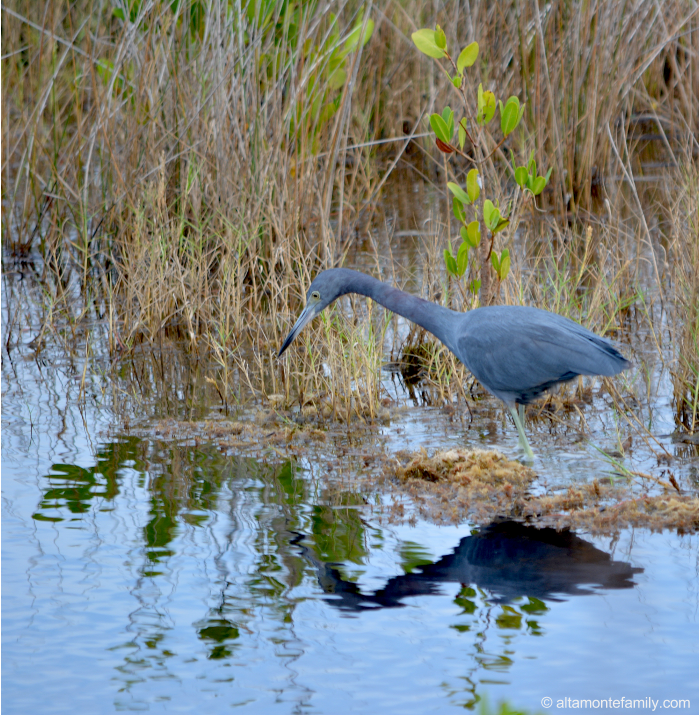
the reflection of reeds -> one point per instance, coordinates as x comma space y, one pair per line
173, 179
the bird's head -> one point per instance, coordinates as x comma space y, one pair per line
324, 290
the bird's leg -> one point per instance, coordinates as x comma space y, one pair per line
521, 431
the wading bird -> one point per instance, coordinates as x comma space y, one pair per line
515, 352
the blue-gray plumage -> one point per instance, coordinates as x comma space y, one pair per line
515, 352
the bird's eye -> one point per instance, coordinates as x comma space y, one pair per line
315, 295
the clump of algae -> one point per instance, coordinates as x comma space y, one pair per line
480, 486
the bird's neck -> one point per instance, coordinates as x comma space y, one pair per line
434, 318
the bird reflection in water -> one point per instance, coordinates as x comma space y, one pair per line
507, 560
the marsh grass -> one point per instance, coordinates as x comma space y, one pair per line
168, 177
682, 259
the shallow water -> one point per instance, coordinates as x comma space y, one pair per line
151, 576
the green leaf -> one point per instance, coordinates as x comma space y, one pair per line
424, 40
505, 264
486, 106
457, 81
440, 128
449, 116
458, 210
531, 164
462, 133
327, 112
105, 68
468, 56
491, 215
474, 286
474, 234
337, 79
548, 175
502, 224
462, 258
537, 185
495, 262
440, 39
354, 37
450, 263
458, 192
520, 176
509, 115
473, 185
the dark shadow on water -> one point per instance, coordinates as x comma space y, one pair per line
506, 559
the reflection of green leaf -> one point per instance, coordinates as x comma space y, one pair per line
49, 519
509, 619
413, 555
534, 607
424, 40
339, 535
220, 630
161, 529
460, 628
468, 606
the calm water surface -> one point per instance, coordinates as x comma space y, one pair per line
146, 576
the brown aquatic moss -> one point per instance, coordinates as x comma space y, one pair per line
457, 485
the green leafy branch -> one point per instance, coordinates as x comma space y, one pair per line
472, 210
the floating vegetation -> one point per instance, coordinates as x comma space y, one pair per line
480, 486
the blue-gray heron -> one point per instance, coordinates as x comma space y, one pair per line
515, 352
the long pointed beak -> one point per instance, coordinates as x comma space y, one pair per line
309, 312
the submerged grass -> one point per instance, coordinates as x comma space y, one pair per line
179, 177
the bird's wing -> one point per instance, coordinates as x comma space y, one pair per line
517, 355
